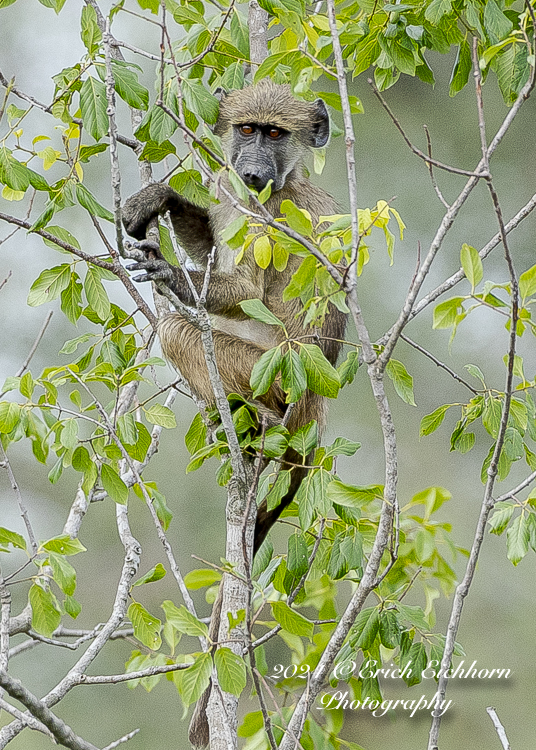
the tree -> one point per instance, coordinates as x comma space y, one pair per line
101, 415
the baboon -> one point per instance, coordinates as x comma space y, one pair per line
266, 134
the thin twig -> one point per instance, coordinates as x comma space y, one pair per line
22, 507
492, 713
439, 363
431, 170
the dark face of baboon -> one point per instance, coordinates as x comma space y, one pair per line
266, 132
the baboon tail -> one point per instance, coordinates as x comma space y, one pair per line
266, 518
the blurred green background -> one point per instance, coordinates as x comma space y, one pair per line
498, 624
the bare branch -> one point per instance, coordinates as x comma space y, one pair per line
20, 501
61, 731
492, 712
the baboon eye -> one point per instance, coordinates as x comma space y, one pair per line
246, 129
274, 132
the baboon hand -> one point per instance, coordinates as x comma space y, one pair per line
156, 269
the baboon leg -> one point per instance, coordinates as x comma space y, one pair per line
235, 357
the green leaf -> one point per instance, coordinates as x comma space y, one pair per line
155, 574
196, 437
297, 555
402, 381
114, 485
322, 377
192, 682
517, 540
64, 574
129, 88
527, 283
88, 201
233, 77
49, 285
500, 519
389, 629
347, 370
198, 579
291, 621
200, 101
436, 10
278, 490
64, 545
305, 439
71, 299
297, 218
496, 23
472, 265
89, 29
432, 421
96, 294
257, 310
370, 631
231, 671
9, 416
262, 251
72, 607
93, 106
293, 376
183, 621
265, 371
161, 415
46, 616
11, 537
342, 447
445, 313
460, 72
12, 173
334, 100
146, 627
351, 496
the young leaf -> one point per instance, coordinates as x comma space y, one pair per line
257, 310
11, 537
517, 540
322, 377
231, 671
192, 682
64, 573
45, 614
114, 485
49, 285
198, 579
183, 621
93, 105
293, 376
64, 545
305, 439
432, 421
146, 627
155, 574
402, 381
291, 621
472, 265
161, 415
265, 371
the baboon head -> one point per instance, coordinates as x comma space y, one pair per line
266, 131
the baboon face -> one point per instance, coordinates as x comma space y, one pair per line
261, 153
266, 132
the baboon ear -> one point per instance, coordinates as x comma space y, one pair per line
319, 133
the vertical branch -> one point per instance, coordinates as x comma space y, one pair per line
258, 34
114, 158
376, 373
349, 137
488, 502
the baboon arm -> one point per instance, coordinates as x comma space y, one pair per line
190, 222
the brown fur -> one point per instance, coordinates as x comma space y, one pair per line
238, 341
